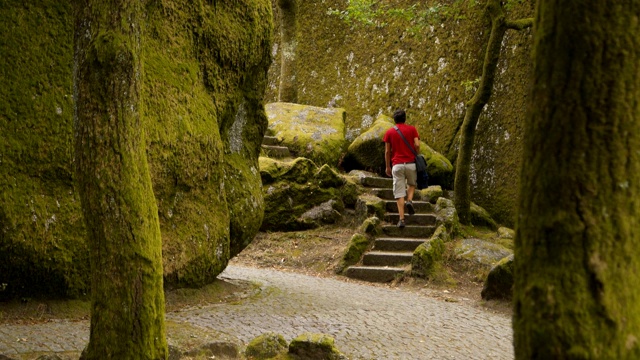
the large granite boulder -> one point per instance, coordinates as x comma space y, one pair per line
308, 131
204, 121
366, 152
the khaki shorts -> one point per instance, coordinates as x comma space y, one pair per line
403, 175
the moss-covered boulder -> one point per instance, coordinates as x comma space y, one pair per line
447, 215
311, 346
506, 233
204, 120
366, 152
308, 131
371, 226
479, 256
266, 346
329, 212
297, 192
431, 193
427, 258
358, 244
370, 205
300, 170
499, 282
481, 217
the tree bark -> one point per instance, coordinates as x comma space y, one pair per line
577, 240
288, 90
462, 197
127, 299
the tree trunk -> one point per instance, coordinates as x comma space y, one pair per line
288, 90
127, 300
462, 197
577, 240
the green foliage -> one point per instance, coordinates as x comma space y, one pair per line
360, 11
372, 13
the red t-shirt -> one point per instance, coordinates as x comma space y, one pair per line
400, 152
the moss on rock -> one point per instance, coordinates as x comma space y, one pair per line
447, 215
499, 282
368, 205
202, 156
311, 346
427, 258
308, 131
366, 152
358, 244
431, 193
481, 217
479, 256
266, 346
300, 170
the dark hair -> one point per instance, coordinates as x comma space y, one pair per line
399, 116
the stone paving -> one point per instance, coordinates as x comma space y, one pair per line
367, 322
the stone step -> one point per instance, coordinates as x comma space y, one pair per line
396, 244
415, 219
421, 207
377, 182
409, 231
387, 258
276, 151
384, 194
270, 140
375, 273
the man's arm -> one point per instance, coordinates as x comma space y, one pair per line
416, 144
387, 157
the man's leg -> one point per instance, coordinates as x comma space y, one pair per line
410, 192
399, 190
411, 182
400, 202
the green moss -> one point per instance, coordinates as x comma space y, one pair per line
358, 244
326, 177
446, 215
367, 150
203, 87
427, 258
266, 346
312, 132
370, 205
312, 346
431, 193
480, 217
499, 282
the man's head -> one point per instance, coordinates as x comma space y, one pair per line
399, 116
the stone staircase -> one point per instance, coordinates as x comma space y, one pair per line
271, 148
390, 256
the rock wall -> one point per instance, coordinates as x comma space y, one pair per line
427, 69
205, 71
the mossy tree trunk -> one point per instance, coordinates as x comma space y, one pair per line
288, 90
127, 300
499, 26
577, 240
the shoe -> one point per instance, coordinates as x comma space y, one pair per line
401, 223
410, 209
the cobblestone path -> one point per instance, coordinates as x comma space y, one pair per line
367, 322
